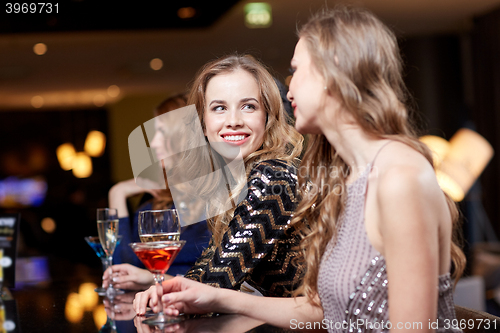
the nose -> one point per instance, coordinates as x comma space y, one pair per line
157, 140
234, 119
289, 96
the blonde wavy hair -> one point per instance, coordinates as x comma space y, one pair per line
359, 58
281, 140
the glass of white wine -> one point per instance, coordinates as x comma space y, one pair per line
159, 225
107, 228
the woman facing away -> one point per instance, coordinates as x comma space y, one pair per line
379, 245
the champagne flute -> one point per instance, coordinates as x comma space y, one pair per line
157, 257
159, 225
107, 228
95, 244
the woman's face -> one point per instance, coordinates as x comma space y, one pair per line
234, 115
306, 91
159, 143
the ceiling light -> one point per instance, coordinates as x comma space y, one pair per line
156, 64
37, 102
186, 12
40, 48
113, 91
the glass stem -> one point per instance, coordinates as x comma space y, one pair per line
159, 289
104, 262
109, 260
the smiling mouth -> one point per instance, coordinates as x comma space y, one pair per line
236, 139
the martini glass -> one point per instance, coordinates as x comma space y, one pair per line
157, 257
95, 244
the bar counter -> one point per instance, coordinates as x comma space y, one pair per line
69, 304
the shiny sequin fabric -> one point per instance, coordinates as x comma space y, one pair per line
258, 245
352, 279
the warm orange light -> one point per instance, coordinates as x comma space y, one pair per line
40, 49
37, 101
438, 146
156, 64
74, 309
100, 316
65, 154
88, 297
82, 165
468, 156
48, 225
113, 91
95, 143
186, 12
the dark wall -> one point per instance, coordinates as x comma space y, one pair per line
485, 41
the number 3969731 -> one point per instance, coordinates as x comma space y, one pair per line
31, 8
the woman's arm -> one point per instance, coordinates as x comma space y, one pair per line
409, 205
259, 222
186, 296
118, 194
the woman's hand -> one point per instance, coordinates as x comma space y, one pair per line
126, 276
181, 295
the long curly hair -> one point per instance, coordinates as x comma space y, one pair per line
281, 140
359, 59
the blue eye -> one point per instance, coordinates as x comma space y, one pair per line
218, 108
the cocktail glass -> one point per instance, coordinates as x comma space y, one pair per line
157, 257
95, 244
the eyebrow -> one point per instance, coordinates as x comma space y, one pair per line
243, 100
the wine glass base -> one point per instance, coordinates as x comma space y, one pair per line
112, 292
158, 319
100, 291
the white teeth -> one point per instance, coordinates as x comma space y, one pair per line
234, 137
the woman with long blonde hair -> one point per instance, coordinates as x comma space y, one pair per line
377, 229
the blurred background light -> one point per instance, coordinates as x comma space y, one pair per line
258, 15
48, 225
459, 162
73, 310
37, 101
113, 91
156, 64
99, 315
88, 297
65, 154
99, 100
186, 12
40, 48
82, 165
438, 146
95, 143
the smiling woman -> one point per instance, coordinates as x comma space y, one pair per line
239, 105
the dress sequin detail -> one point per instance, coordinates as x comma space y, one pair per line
352, 279
258, 247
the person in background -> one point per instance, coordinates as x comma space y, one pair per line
126, 272
379, 244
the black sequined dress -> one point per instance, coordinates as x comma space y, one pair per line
259, 244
